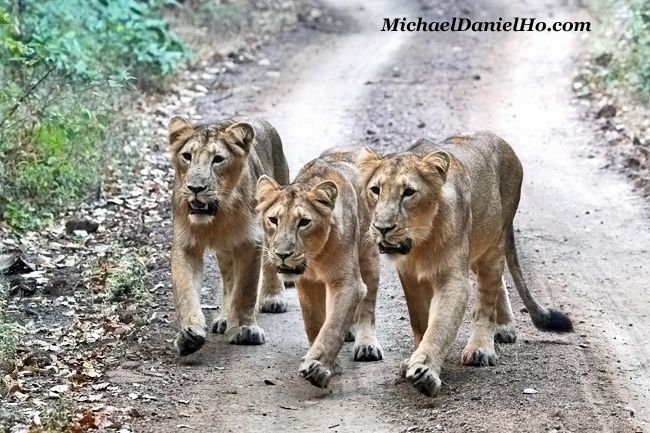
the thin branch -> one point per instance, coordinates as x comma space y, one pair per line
25, 95
40, 110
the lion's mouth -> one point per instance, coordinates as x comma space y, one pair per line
298, 270
199, 208
402, 248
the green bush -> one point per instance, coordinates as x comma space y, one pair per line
62, 65
623, 61
639, 31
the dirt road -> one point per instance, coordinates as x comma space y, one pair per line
583, 236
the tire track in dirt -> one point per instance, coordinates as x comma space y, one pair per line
317, 99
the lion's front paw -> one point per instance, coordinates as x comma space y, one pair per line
479, 357
189, 339
274, 304
368, 352
248, 335
219, 325
422, 377
315, 372
505, 334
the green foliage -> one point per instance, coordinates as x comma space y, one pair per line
229, 16
129, 281
623, 61
62, 64
639, 31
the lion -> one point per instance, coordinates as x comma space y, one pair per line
438, 211
217, 167
314, 229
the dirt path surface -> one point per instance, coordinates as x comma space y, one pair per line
582, 233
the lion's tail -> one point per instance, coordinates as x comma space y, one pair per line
545, 319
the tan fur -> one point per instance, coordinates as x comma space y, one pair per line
220, 164
316, 225
438, 211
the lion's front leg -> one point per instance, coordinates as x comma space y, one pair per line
271, 298
239, 304
341, 301
187, 276
447, 307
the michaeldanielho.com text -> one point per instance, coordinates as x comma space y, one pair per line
465, 24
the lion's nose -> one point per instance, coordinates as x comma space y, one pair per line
196, 189
384, 230
283, 256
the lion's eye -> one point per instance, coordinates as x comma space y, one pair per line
273, 220
187, 156
217, 159
303, 222
375, 190
408, 192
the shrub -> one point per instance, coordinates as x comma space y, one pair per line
62, 63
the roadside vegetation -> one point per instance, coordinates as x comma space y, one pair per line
622, 49
64, 69
615, 77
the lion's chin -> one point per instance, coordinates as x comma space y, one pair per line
199, 219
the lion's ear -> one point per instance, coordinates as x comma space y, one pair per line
325, 193
436, 163
241, 135
179, 131
367, 162
267, 191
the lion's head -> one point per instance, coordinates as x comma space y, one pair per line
297, 220
208, 161
403, 192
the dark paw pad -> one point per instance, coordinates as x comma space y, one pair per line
482, 359
424, 380
316, 373
247, 335
349, 337
189, 341
219, 326
370, 352
276, 304
505, 335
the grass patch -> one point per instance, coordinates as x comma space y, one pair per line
129, 282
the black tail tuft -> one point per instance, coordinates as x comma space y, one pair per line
554, 321
289, 284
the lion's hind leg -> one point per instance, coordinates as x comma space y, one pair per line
241, 297
366, 346
505, 332
489, 272
220, 323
